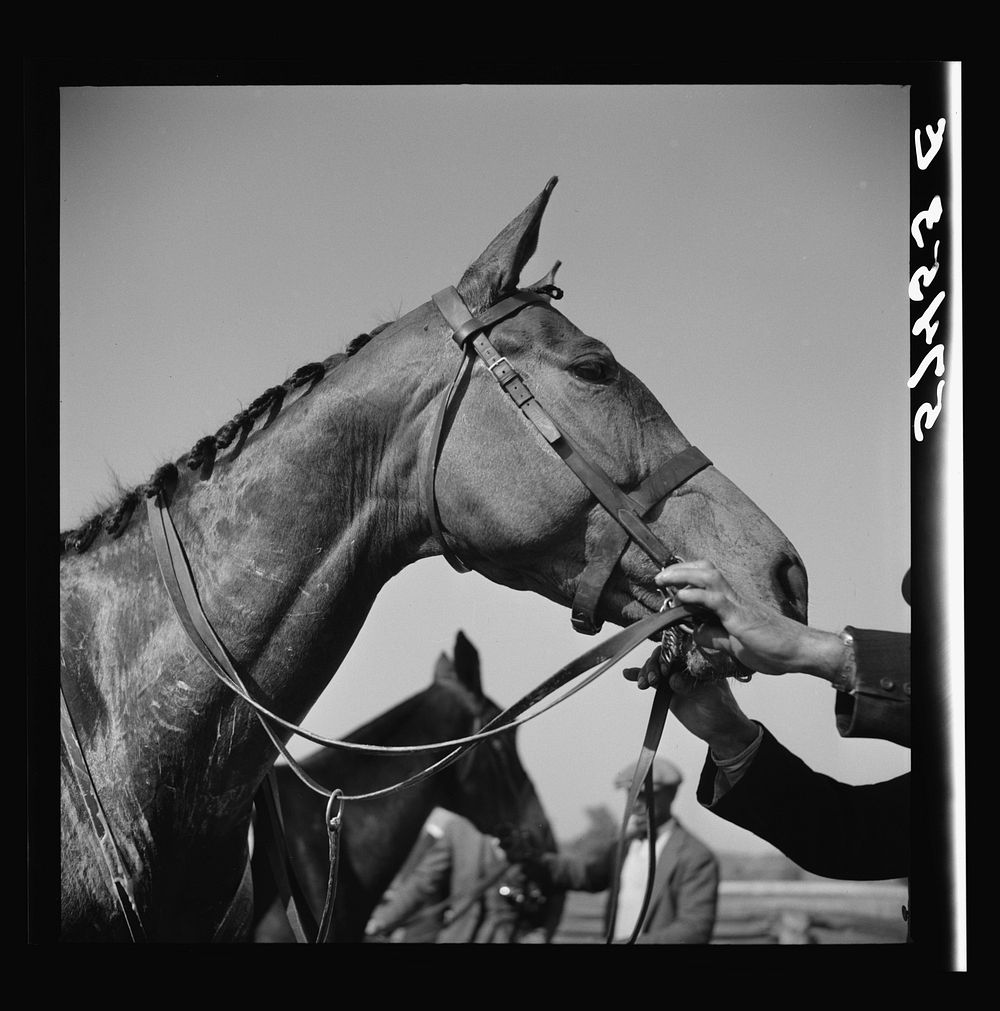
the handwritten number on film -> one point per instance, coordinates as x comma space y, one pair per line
923, 278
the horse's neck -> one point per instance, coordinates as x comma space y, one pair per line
377, 853
289, 542
379, 832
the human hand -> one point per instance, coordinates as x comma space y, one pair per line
536, 868
707, 708
748, 629
521, 845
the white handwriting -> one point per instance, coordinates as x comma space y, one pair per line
937, 138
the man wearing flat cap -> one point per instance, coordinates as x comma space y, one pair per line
685, 886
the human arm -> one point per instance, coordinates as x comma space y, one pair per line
833, 829
589, 871
707, 708
426, 885
869, 668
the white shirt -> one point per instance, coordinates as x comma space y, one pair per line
632, 884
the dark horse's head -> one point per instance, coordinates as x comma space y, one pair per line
490, 786
492, 789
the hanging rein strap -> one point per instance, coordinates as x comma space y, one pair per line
468, 334
179, 583
626, 510
115, 874
269, 828
641, 779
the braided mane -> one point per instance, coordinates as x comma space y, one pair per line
114, 519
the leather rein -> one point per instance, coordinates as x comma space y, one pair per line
470, 333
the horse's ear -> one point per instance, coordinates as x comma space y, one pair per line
467, 664
498, 267
444, 669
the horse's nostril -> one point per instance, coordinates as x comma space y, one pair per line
793, 587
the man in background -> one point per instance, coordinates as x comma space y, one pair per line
683, 900
462, 889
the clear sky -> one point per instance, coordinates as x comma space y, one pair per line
742, 249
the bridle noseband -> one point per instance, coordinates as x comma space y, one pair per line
470, 333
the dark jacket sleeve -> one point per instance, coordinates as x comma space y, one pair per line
856, 833
426, 885
877, 702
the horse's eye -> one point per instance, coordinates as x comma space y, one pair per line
594, 370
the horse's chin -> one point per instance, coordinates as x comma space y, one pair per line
697, 662
707, 664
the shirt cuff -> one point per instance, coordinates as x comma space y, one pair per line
729, 771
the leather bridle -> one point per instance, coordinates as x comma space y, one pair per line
470, 333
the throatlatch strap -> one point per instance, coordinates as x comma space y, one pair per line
455, 311
430, 499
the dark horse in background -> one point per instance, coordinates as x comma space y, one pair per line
488, 786
293, 516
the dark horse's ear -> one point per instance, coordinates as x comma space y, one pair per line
498, 267
444, 669
467, 664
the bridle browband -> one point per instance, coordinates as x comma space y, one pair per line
627, 509
470, 333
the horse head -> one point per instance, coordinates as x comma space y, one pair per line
501, 498
296, 513
489, 785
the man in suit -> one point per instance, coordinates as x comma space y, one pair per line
685, 887
463, 890
424, 924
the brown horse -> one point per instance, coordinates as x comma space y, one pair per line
489, 787
294, 516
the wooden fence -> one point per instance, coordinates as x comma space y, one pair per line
774, 912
